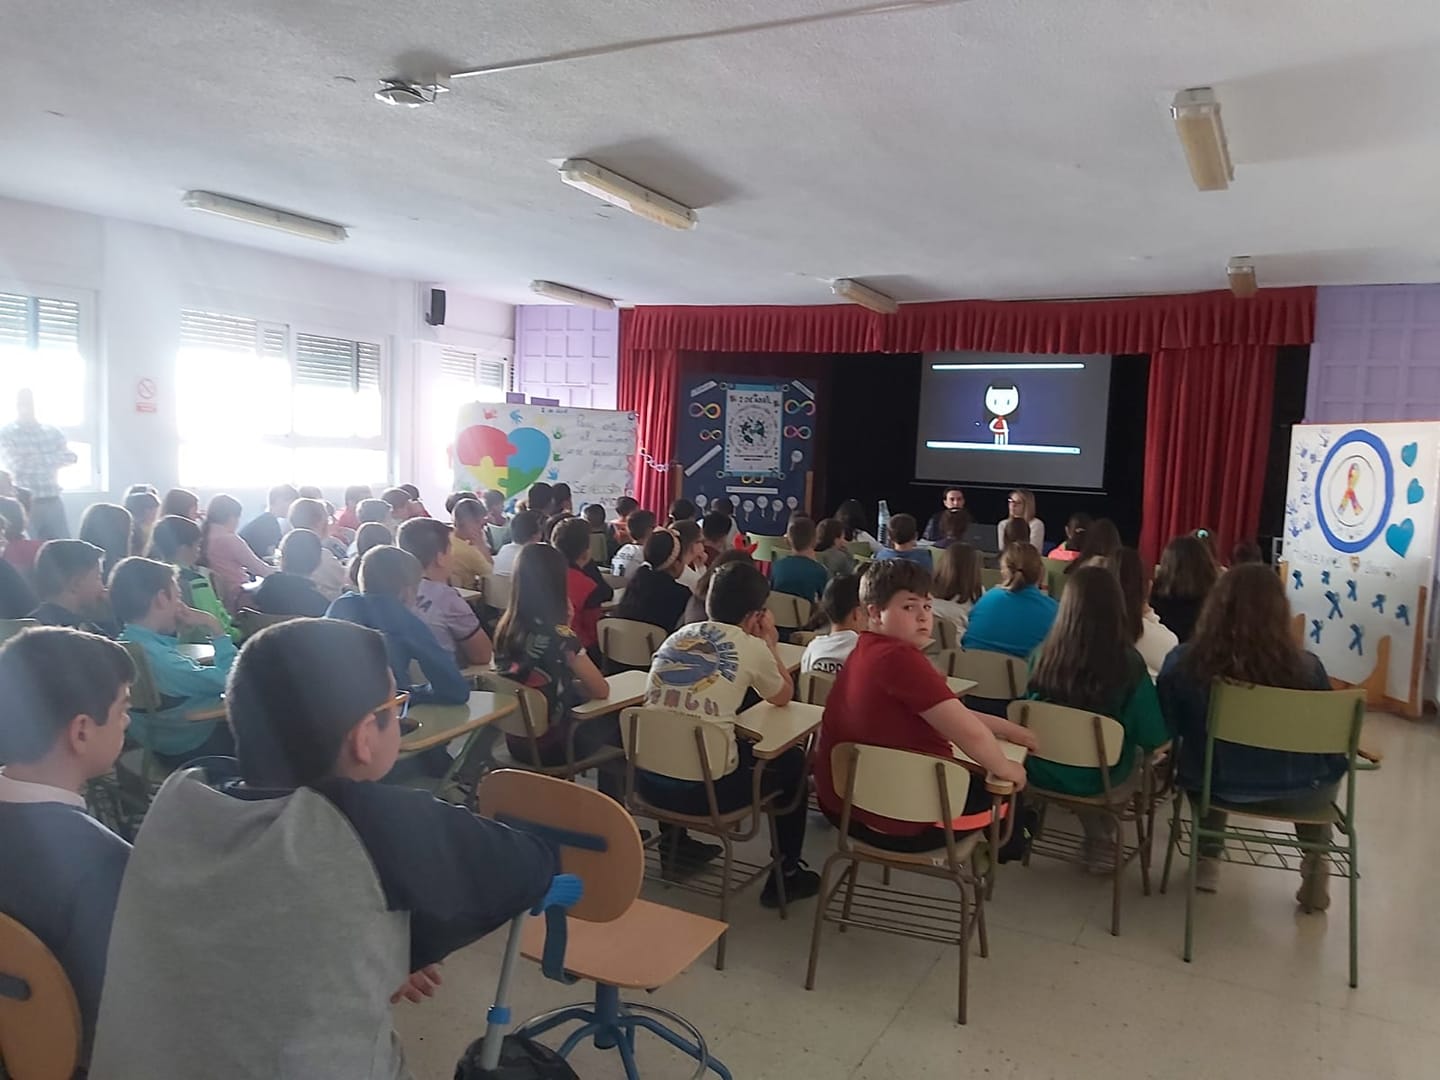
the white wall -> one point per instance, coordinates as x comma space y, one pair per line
140, 277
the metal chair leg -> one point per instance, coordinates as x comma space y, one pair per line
964, 988
724, 902
1170, 846
853, 873
1190, 890
1354, 912
821, 906
1119, 876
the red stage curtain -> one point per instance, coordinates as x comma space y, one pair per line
1206, 442
649, 383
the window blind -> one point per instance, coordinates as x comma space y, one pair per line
457, 364
206, 330
39, 322
336, 362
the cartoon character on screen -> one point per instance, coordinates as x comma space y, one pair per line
1002, 402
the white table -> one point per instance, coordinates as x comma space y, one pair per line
776, 728
790, 655
626, 689
960, 687
439, 724
1014, 751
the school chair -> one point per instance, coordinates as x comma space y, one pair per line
250, 622
10, 627
945, 634
40, 1028
769, 548
495, 591
999, 678
675, 746
815, 687
1086, 740
613, 938
531, 721
803, 637
628, 644
790, 612
1055, 576
910, 786
990, 578
1290, 721
599, 549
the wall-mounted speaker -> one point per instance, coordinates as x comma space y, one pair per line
435, 308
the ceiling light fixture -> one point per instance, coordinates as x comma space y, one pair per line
567, 295
1197, 122
267, 216
851, 290
1241, 273
626, 194
410, 95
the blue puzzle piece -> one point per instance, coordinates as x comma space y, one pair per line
1350, 590
1299, 581
1402, 613
1357, 639
1315, 627
1335, 612
1324, 577
1379, 603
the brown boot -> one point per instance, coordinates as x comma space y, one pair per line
1314, 892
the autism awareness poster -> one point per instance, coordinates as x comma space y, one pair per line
509, 447
1359, 553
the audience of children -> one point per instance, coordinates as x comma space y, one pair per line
1075, 529
957, 586
329, 577
180, 502
263, 532
653, 593
1015, 617
1021, 506
231, 561
401, 503
904, 543
110, 528
844, 617
695, 610
1184, 579
417, 504
800, 573
954, 499
641, 524
453, 622
176, 540
144, 506
348, 518
726, 505
469, 546
72, 593
293, 590
830, 549
540, 500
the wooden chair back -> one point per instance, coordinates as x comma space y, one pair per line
40, 1028
769, 548
251, 622
673, 745
815, 687
989, 578
790, 612
628, 642
1071, 736
996, 675
1055, 576
599, 549
10, 627
945, 633
607, 854
900, 784
1295, 721
495, 589
531, 719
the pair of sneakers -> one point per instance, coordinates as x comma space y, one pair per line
1312, 896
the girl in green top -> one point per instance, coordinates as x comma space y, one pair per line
1089, 662
176, 540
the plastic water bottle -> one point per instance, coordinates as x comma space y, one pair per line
882, 523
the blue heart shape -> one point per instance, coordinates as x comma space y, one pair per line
1414, 493
1398, 537
1408, 452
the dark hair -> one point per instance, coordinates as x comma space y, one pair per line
715, 526
355, 493
851, 515
625, 506
1016, 531
1246, 551
1002, 384
840, 598
595, 513
296, 691
455, 498
957, 575
955, 524
736, 590
309, 514
826, 533
560, 495
1244, 632
724, 505
425, 538
171, 534
411, 490
180, 502
682, 510
1187, 569
494, 497
140, 502
300, 552
725, 558
396, 498
285, 492
571, 538
640, 524
134, 584
13, 516
525, 526
376, 511
1079, 523
48, 676
388, 571
108, 527
537, 595
468, 509
371, 534
903, 529
800, 532
1020, 566
1085, 660
661, 545
884, 578
136, 489
1130, 573
540, 498
221, 509
62, 561
1101, 541
688, 532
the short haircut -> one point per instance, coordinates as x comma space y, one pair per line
724, 505
736, 590
296, 691
13, 516
1246, 551
468, 510
840, 598
282, 493
525, 526
171, 534
388, 571
560, 495
641, 525
455, 498
625, 506
571, 538
539, 498
181, 502
309, 514
1020, 566
411, 490
371, 534
300, 552
594, 513
134, 584
355, 492
494, 498
682, 510
425, 538
903, 529
715, 527
48, 676
1017, 531
800, 532
62, 561
952, 487
376, 510
884, 579
827, 532
396, 498
687, 531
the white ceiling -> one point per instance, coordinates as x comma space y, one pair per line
994, 148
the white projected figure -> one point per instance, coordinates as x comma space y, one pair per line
1002, 400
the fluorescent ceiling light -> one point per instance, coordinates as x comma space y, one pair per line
565, 294
1241, 273
1197, 122
1072, 366
626, 194
267, 216
866, 297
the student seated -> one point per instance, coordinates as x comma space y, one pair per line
59, 730
453, 622
1015, 617
72, 592
1075, 530
20, 550
683, 510
693, 556
641, 524
389, 582
799, 573
851, 516
176, 540
584, 584
179, 502
594, 515
327, 896
1152, 639
1088, 661
401, 504
889, 694
469, 549
830, 550
1246, 551
954, 528
329, 577
620, 527
957, 586
695, 609
417, 504
108, 527
736, 539
1187, 574
715, 532
146, 600
540, 501
1101, 540
1014, 531
954, 499
144, 506
497, 525
1244, 634
903, 545
371, 534
292, 591
653, 593
348, 518
844, 618
702, 673
524, 529
231, 561
265, 530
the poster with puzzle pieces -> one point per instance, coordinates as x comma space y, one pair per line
1359, 553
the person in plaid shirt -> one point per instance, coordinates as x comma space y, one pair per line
34, 453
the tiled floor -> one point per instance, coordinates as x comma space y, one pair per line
1059, 997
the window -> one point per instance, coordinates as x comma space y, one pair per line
42, 348
306, 408
487, 379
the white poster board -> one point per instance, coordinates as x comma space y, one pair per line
510, 447
1360, 537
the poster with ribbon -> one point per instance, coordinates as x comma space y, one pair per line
1359, 554
750, 439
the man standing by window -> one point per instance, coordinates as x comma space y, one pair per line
34, 453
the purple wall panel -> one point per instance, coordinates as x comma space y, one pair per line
568, 353
1376, 354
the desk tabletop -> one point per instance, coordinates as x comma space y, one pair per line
960, 687
626, 689
614, 601
441, 723
1014, 751
200, 652
470, 596
790, 655
778, 727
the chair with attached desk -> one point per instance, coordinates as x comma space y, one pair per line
908, 786
999, 678
769, 548
531, 721
250, 622
495, 589
629, 644
613, 937
790, 612
40, 1028
814, 687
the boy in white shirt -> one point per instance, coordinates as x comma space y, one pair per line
846, 617
641, 524
524, 529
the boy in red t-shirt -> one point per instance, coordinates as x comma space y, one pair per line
889, 694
